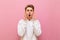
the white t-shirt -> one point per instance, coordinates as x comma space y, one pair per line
29, 30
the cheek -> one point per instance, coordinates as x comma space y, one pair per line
27, 13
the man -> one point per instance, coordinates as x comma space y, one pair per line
29, 28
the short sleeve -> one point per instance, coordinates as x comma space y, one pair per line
37, 28
21, 29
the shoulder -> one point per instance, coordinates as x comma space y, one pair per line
21, 21
36, 20
37, 23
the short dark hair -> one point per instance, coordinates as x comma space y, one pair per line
30, 5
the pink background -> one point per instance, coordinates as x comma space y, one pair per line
48, 12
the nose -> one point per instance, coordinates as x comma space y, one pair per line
29, 13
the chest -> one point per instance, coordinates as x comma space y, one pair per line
29, 26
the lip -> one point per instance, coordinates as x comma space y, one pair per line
29, 15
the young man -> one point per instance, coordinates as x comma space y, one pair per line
29, 28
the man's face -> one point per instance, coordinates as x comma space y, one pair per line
29, 12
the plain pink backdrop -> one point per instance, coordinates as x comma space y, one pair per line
48, 12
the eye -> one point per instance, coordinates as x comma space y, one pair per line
27, 10
30, 10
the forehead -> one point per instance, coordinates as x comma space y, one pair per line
29, 8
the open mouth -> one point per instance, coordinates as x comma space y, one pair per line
29, 15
